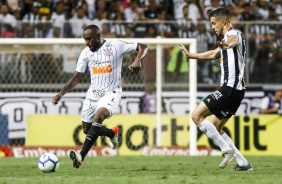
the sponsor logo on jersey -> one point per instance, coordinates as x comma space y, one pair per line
102, 69
108, 51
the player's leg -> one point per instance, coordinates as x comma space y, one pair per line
199, 118
89, 110
109, 132
111, 102
91, 137
240, 159
93, 133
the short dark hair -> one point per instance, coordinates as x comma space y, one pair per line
92, 27
220, 12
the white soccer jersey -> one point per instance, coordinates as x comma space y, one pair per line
104, 66
232, 62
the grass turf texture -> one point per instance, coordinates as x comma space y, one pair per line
155, 170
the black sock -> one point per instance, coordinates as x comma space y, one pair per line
90, 139
104, 131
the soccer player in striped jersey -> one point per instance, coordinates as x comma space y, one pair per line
103, 57
222, 104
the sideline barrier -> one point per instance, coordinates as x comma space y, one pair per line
253, 135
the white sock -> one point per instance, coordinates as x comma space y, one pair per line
239, 157
209, 129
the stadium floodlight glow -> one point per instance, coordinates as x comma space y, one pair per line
159, 42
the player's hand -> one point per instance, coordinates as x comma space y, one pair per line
222, 45
56, 99
135, 67
184, 50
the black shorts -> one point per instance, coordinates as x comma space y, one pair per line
225, 102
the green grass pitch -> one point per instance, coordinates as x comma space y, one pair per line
143, 170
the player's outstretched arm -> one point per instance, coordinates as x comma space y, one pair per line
67, 87
208, 55
142, 49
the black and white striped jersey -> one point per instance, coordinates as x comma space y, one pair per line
232, 62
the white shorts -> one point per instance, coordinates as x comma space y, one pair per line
110, 101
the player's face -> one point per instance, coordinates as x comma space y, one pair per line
217, 25
92, 39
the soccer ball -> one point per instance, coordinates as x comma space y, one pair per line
48, 162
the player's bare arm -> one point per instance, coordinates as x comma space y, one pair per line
69, 86
231, 42
208, 55
135, 67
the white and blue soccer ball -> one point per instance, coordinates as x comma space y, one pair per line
48, 162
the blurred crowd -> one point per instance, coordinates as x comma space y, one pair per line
259, 20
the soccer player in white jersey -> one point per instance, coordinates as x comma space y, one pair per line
103, 57
222, 104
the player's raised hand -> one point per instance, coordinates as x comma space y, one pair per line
222, 44
184, 50
56, 98
135, 67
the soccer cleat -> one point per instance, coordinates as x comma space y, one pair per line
243, 168
76, 159
114, 141
227, 157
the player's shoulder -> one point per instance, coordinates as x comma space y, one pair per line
119, 41
233, 31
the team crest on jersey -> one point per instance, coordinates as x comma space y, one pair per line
108, 50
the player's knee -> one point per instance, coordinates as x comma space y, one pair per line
196, 118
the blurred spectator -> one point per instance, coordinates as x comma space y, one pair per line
164, 28
13, 4
272, 104
139, 27
152, 12
147, 103
277, 5
8, 31
33, 18
132, 12
113, 10
212, 6
90, 8
101, 11
118, 27
128, 33
106, 31
178, 8
45, 10
185, 25
259, 30
262, 59
58, 19
194, 11
152, 31
78, 22
247, 14
178, 67
6, 17
263, 7
99, 19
